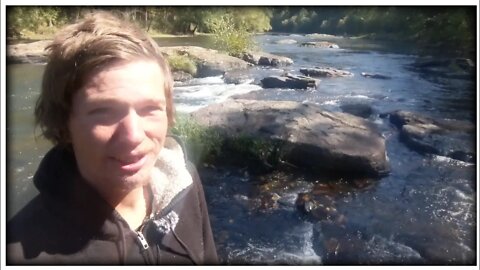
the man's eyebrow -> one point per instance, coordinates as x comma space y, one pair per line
111, 100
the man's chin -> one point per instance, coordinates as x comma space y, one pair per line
130, 182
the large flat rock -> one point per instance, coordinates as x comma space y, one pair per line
314, 139
33, 52
209, 62
426, 135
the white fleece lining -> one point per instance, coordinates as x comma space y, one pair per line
169, 176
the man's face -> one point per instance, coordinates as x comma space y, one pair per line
118, 125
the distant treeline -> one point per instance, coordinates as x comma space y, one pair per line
444, 27
436, 28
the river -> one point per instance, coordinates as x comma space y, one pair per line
423, 212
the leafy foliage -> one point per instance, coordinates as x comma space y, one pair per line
203, 144
229, 36
182, 63
208, 145
255, 153
32, 18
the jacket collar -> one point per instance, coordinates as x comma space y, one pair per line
169, 176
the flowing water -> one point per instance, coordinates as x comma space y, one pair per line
423, 212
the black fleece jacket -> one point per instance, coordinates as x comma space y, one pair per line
69, 223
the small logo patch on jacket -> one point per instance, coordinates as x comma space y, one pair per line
167, 223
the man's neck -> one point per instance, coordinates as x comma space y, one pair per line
135, 206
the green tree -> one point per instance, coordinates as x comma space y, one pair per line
26, 18
229, 36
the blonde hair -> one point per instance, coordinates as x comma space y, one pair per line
79, 51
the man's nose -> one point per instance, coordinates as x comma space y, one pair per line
131, 128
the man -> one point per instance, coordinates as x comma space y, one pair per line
114, 189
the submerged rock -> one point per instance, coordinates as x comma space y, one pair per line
309, 137
286, 41
358, 109
325, 72
237, 77
289, 81
451, 68
375, 76
446, 137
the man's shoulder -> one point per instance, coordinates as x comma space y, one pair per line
31, 219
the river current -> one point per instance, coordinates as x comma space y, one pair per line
423, 212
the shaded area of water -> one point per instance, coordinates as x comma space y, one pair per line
24, 150
422, 213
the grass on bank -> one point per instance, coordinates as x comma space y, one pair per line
209, 146
182, 63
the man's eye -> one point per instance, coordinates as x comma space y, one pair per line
151, 109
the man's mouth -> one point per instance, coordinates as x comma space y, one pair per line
132, 164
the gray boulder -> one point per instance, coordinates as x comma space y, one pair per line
181, 76
325, 72
312, 139
320, 44
446, 137
209, 62
266, 59
289, 81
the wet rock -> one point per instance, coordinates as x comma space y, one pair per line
181, 76
451, 68
266, 59
465, 64
435, 250
325, 72
467, 156
375, 76
446, 137
310, 137
289, 81
341, 247
332, 246
317, 207
358, 109
237, 77
269, 201
320, 44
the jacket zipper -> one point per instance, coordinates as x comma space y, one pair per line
145, 251
142, 240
